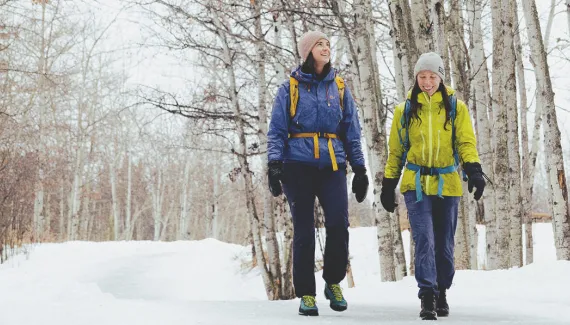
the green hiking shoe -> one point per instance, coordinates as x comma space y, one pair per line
308, 306
333, 292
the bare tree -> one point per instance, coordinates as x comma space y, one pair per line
555, 167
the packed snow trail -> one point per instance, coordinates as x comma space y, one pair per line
205, 282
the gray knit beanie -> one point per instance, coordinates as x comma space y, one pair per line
308, 41
430, 61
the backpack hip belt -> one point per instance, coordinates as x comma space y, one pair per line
431, 171
316, 136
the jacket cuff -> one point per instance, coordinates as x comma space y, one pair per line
472, 168
359, 170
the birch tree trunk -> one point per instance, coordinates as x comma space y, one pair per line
62, 231
156, 195
568, 14
39, 186
269, 217
278, 34
282, 212
241, 145
405, 51
128, 207
438, 27
375, 133
527, 181
555, 167
184, 198
457, 48
422, 25
114, 196
466, 228
399, 254
498, 259
215, 231
549, 25
482, 103
461, 254
510, 95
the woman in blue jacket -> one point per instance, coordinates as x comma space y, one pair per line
308, 145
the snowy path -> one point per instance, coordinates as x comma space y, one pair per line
202, 283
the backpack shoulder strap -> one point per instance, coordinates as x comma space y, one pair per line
294, 95
405, 124
340, 84
452, 116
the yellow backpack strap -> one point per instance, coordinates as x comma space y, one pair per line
294, 95
340, 84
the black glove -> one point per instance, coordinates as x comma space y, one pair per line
388, 194
274, 174
359, 183
475, 174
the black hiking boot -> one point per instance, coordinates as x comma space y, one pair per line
442, 306
428, 306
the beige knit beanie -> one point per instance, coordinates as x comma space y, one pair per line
308, 41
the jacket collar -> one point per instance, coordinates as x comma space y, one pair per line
311, 78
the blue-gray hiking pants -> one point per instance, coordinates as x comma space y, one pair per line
433, 221
301, 184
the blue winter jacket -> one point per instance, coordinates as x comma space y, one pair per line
318, 110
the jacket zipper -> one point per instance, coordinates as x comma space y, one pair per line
430, 142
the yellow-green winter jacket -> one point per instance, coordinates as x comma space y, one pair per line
430, 144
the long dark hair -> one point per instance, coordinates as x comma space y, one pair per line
415, 106
309, 67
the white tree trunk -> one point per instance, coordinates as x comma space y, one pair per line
404, 50
438, 29
555, 167
375, 133
510, 95
527, 181
128, 207
278, 34
241, 146
216, 202
183, 230
114, 198
568, 14
399, 255
458, 60
156, 194
62, 231
549, 25
269, 217
498, 259
39, 186
482, 103
421, 22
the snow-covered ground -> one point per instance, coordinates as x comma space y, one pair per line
203, 282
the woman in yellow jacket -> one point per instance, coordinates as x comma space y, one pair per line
437, 130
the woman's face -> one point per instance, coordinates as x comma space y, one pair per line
322, 52
428, 81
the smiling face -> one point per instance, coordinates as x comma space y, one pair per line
428, 81
322, 52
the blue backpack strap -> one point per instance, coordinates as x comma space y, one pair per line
452, 116
405, 124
